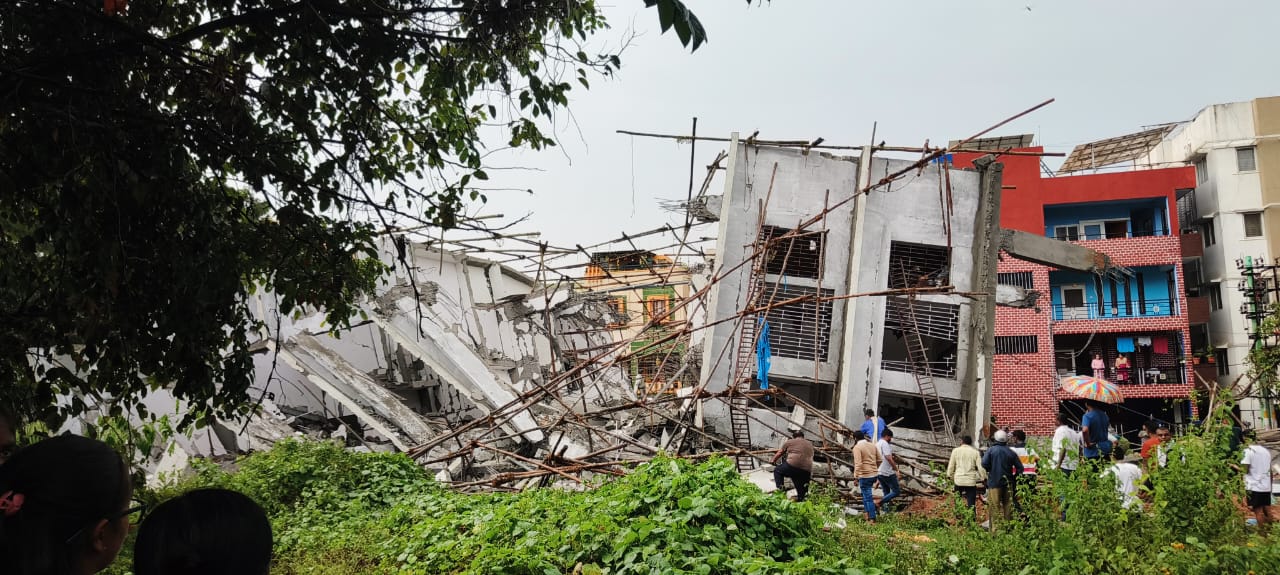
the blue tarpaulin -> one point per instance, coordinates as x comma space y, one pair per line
763, 354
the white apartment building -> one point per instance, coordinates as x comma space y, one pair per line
1235, 206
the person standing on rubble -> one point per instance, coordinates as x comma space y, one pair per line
1003, 468
866, 468
965, 470
888, 470
873, 427
798, 464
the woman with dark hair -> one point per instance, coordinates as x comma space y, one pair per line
204, 532
64, 507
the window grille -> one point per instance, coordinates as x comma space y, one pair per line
1015, 344
1023, 280
797, 256
794, 327
918, 265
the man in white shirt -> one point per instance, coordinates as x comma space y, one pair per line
1257, 479
1128, 476
888, 470
1066, 446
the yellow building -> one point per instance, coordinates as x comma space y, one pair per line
644, 290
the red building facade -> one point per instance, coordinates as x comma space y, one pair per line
1145, 316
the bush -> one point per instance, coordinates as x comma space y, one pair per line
338, 513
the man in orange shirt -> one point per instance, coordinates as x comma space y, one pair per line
1153, 450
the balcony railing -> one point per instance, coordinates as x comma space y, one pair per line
1075, 236
945, 368
1148, 308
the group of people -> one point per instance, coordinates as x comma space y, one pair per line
1009, 466
67, 504
873, 464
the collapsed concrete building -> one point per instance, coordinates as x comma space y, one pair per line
813, 247
496, 379
450, 341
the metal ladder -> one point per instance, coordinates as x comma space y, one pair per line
918, 357
746, 373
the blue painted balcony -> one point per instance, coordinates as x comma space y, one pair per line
1146, 217
1149, 308
1150, 292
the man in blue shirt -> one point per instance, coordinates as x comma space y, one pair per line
1093, 430
873, 427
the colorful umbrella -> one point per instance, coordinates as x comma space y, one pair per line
1089, 387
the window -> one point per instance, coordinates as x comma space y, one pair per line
1209, 237
618, 304
1014, 344
918, 265
1215, 296
1202, 171
657, 306
800, 330
1066, 233
1023, 280
1253, 225
1220, 357
913, 327
819, 395
1245, 160
797, 256
909, 410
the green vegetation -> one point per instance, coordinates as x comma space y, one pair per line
162, 162
337, 512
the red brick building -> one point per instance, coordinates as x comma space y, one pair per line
1146, 316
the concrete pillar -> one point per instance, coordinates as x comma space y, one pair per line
849, 411
982, 317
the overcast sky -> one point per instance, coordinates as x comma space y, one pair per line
802, 69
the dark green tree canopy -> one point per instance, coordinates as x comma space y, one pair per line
159, 162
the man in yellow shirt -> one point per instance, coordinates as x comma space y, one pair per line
965, 470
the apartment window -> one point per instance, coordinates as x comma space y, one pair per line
1067, 233
799, 255
1220, 356
1245, 160
819, 395
1209, 237
657, 306
800, 330
1014, 344
1202, 171
913, 323
918, 265
1215, 296
909, 410
1253, 225
1023, 280
619, 306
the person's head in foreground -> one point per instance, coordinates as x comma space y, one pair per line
64, 507
8, 435
204, 532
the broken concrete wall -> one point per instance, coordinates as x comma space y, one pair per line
924, 224
792, 193
466, 338
911, 211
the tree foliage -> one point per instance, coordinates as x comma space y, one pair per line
157, 163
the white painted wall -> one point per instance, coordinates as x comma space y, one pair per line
1213, 136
